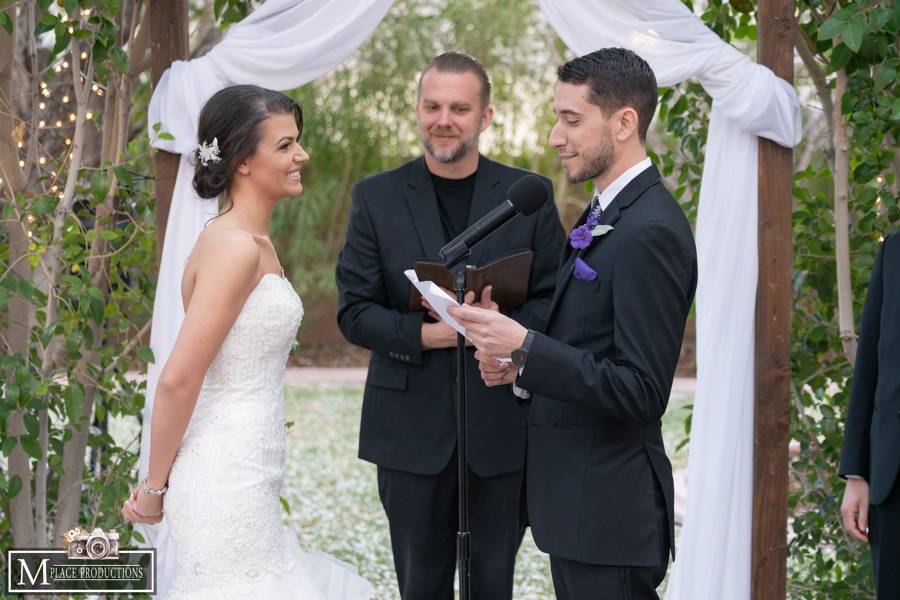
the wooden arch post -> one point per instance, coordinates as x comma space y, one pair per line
775, 44
168, 43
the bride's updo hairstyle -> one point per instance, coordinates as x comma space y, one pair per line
233, 117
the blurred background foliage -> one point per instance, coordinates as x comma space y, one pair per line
360, 119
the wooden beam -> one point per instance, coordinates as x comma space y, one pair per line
168, 43
775, 47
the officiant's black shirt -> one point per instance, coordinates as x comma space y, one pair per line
454, 198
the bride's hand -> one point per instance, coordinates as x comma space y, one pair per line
142, 507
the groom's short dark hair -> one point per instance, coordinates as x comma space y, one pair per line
457, 62
617, 77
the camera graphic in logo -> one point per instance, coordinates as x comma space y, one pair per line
96, 545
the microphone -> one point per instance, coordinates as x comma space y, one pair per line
525, 196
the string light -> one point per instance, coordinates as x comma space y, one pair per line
85, 12
59, 123
880, 238
22, 163
71, 116
42, 160
83, 55
94, 88
61, 195
71, 155
30, 234
52, 173
68, 142
43, 84
54, 188
879, 179
100, 92
41, 123
20, 144
46, 93
1, 181
41, 105
90, 115
65, 62
30, 218
65, 99
58, 69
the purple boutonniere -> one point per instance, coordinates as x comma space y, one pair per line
582, 237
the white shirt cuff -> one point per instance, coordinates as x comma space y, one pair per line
521, 392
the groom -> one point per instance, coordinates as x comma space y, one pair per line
599, 484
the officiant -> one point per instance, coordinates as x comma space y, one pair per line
408, 426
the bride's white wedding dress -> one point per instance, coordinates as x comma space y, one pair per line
223, 502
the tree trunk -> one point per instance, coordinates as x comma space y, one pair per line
20, 309
115, 138
841, 174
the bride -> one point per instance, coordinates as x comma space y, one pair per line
218, 431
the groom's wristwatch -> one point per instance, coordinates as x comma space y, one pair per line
520, 354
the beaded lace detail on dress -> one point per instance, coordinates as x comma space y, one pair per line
223, 501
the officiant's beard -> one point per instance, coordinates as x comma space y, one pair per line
449, 155
597, 160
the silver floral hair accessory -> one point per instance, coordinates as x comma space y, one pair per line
209, 152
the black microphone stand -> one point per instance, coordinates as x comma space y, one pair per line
456, 262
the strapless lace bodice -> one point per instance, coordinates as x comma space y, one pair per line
242, 392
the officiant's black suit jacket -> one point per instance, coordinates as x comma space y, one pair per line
601, 377
872, 432
409, 409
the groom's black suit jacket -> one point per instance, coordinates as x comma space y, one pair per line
601, 377
872, 433
409, 410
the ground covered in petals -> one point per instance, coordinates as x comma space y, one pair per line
332, 496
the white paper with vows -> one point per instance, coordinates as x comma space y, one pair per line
439, 301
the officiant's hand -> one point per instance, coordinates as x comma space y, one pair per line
441, 335
492, 332
484, 301
494, 372
438, 335
141, 507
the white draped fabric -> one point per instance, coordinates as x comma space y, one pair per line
713, 558
281, 45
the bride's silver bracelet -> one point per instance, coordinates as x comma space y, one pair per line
153, 491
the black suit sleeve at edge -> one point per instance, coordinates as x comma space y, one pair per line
652, 289
855, 453
363, 316
548, 238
